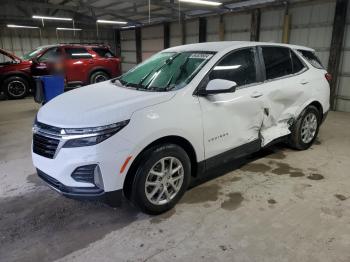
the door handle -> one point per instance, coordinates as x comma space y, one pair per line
256, 94
304, 82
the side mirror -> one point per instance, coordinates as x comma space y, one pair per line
217, 86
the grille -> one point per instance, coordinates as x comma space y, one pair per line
44, 146
84, 174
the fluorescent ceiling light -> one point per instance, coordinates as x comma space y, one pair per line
51, 18
23, 26
69, 29
111, 22
202, 2
127, 27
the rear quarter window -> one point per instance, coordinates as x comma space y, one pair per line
103, 52
311, 58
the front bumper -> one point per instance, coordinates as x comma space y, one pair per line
87, 192
113, 198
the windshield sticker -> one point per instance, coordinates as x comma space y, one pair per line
201, 56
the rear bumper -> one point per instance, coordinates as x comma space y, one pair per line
92, 193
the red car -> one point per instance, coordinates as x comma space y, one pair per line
81, 64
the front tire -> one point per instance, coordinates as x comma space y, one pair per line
305, 129
161, 178
16, 87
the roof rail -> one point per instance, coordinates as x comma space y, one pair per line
88, 43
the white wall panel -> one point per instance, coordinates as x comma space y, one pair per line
175, 34
128, 49
237, 27
192, 31
152, 40
271, 25
213, 28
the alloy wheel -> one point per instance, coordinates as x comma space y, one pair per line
308, 128
164, 180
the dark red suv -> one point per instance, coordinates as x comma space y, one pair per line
81, 65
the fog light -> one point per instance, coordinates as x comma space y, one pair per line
98, 181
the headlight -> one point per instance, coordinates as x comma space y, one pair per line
77, 137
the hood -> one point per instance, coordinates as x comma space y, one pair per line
97, 105
2, 51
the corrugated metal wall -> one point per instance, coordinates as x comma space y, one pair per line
152, 40
271, 25
343, 97
128, 49
192, 31
311, 25
22, 41
237, 27
213, 28
175, 34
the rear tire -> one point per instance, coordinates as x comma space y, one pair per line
98, 76
161, 178
305, 129
15, 87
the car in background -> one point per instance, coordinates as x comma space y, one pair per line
15, 75
81, 65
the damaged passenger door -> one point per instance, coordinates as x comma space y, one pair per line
285, 90
232, 117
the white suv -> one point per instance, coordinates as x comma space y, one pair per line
148, 133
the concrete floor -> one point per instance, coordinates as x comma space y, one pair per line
279, 205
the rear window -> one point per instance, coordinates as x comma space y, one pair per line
312, 58
77, 53
103, 52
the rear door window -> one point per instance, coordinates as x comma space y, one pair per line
312, 58
238, 66
103, 52
77, 53
278, 62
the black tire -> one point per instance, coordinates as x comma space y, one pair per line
150, 158
98, 76
16, 87
296, 139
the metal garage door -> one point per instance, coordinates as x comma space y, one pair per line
152, 40
213, 28
237, 27
343, 94
192, 31
175, 34
128, 49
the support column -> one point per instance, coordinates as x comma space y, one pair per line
138, 41
221, 28
336, 47
166, 27
202, 34
117, 40
255, 25
286, 26
183, 32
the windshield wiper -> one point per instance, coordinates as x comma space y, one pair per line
167, 62
182, 70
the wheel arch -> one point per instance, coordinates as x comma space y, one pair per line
173, 139
19, 74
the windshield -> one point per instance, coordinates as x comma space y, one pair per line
165, 71
33, 53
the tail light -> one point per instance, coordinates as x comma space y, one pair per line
328, 76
